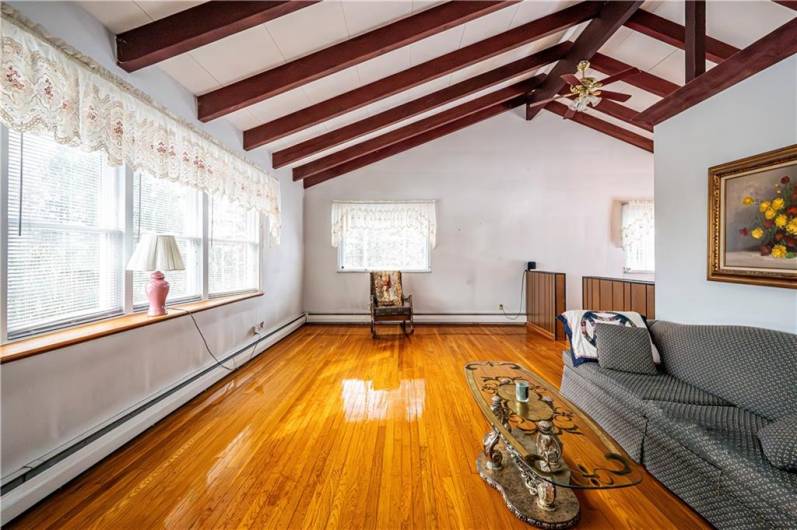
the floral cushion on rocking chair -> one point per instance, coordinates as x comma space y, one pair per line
386, 287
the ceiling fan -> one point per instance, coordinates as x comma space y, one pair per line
587, 91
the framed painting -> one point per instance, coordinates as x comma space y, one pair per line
752, 220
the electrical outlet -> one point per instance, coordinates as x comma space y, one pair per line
500, 307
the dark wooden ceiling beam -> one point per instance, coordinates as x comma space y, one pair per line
418, 106
644, 80
602, 126
414, 141
674, 34
343, 55
416, 128
695, 39
419, 74
621, 112
791, 4
595, 35
768, 50
194, 27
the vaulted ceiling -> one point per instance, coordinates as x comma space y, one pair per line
329, 87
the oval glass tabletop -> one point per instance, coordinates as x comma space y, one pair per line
592, 460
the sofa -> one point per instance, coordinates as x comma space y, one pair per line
694, 424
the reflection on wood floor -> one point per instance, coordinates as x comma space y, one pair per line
331, 429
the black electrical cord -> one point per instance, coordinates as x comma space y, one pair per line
520, 303
205, 342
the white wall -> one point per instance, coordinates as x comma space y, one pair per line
754, 116
51, 398
509, 191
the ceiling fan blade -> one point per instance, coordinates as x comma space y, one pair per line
571, 80
546, 101
616, 96
570, 113
619, 75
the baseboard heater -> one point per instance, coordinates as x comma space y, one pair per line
61, 454
424, 318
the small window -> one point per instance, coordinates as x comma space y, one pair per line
384, 236
65, 238
639, 236
165, 207
234, 248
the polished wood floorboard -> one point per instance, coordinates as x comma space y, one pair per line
331, 429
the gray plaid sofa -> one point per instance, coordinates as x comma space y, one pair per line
694, 424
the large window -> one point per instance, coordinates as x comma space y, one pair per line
70, 223
166, 207
234, 250
638, 236
65, 246
384, 235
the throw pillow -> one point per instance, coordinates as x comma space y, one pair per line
625, 349
779, 442
580, 329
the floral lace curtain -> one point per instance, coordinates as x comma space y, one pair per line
639, 236
419, 216
50, 89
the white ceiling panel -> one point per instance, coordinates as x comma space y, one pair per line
279, 105
308, 30
364, 15
162, 9
435, 46
240, 55
295, 138
117, 16
636, 49
332, 85
531, 10
189, 73
384, 65
488, 25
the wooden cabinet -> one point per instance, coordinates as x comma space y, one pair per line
612, 294
545, 299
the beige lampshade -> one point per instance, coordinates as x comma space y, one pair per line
156, 252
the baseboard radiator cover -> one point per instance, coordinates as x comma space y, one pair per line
60, 466
422, 318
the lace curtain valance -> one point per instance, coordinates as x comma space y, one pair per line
50, 89
415, 215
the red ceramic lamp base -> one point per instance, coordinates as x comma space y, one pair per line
157, 290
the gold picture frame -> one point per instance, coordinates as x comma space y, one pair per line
752, 220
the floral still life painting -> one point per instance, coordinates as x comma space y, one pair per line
753, 220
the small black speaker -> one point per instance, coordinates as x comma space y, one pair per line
531, 265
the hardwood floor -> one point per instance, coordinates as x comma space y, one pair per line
330, 429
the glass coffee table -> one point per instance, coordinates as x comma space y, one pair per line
537, 452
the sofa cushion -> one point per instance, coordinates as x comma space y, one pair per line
779, 442
622, 422
753, 368
625, 349
726, 439
579, 325
633, 389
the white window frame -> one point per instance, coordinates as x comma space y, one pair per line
626, 269
427, 268
127, 200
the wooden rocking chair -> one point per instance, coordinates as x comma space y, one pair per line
388, 303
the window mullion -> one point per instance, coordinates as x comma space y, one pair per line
129, 237
205, 246
3, 234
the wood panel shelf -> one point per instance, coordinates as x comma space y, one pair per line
616, 294
545, 299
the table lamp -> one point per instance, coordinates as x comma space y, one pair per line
155, 253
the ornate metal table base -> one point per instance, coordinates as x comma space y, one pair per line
519, 498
